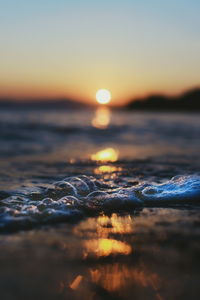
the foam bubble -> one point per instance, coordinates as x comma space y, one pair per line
180, 189
71, 198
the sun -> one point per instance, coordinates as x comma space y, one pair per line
103, 96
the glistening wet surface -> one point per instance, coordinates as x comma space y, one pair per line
151, 254
99, 205
74, 198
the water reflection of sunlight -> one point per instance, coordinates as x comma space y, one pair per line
106, 169
103, 226
105, 247
118, 224
102, 118
76, 282
106, 155
115, 277
97, 235
103, 237
120, 278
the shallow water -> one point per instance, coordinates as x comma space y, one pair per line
109, 201
151, 254
74, 198
79, 134
60, 166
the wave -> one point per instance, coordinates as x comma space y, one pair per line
76, 197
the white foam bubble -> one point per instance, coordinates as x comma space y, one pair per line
72, 197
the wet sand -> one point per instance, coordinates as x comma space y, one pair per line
148, 254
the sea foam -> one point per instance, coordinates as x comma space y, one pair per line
74, 197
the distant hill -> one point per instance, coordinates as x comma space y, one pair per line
55, 104
188, 101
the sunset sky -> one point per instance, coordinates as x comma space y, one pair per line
73, 48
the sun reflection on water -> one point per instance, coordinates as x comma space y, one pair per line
103, 237
97, 242
119, 278
102, 118
106, 155
115, 277
103, 226
105, 247
118, 224
106, 169
76, 282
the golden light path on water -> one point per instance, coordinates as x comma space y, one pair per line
99, 242
102, 118
106, 169
105, 247
106, 155
116, 277
105, 158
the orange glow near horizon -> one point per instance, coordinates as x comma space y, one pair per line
53, 89
85, 93
65, 49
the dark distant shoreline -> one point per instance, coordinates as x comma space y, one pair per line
188, 101
55, 104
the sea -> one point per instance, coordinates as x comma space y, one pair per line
99, 204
